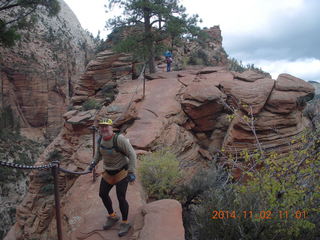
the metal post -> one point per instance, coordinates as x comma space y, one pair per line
93, 152
144, 85
55, 174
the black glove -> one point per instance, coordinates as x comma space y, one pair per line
131, 177
91, 166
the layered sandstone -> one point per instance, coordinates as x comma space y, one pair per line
196, 112
37, 75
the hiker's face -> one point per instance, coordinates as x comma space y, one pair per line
106, 130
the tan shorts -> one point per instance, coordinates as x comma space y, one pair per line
114, 179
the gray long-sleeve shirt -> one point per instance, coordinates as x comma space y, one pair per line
113, 160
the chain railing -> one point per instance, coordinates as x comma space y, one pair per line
55, 168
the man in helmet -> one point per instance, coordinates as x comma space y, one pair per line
119, 161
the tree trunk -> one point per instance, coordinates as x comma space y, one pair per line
149, 39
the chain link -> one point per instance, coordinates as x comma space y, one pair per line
41, 167
20, 166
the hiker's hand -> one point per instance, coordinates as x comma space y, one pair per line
131, 178
91, 166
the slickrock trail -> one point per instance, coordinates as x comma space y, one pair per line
182, 110
89, 214
84, 204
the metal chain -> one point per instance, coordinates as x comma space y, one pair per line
40, 167
20, 166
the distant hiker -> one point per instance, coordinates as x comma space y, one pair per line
168, 56
119, 159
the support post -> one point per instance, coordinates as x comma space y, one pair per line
93, 129
55, 174
93, 152
144, 85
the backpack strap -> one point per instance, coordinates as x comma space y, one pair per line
114, 142
99, 141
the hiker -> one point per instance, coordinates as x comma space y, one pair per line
119, 159
168, 56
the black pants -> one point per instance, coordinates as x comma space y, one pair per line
121, 189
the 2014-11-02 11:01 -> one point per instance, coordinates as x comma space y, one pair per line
263, 214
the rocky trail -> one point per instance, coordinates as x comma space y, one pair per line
181, 110
89, 214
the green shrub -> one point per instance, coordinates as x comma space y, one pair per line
7, 174
199, 58
279, 199
90, 104
8, 122
47, 189
159, 173
54, 155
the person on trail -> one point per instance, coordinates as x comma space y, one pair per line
119, 160
168, 56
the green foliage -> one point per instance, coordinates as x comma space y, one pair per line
157, 19
90, 104
19, 150
199, 58
6, 174
8, 122
235, 65
159, 172
45, 178
47, 189
280, 196
21, 15
101, 45
8, 34
55, 155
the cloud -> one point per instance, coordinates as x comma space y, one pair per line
278, 36
307, 69
289, 33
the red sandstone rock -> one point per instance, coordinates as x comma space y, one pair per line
162, 219
182, 111
249, 94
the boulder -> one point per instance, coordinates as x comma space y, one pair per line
161, 219
248, 76
249, 96
287, 82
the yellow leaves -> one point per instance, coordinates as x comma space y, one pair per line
246, 118
245, 105
230, 117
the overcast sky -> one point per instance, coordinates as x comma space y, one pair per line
280, 36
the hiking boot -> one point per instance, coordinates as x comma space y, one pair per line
110, 222
124, 229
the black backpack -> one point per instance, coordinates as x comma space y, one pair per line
114, 142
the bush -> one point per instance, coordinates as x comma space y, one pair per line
279, 199
90, 104
8, 122
199, 58
55, 155
237, 66
159, 173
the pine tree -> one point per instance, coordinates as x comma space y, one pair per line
20, 14
154, 21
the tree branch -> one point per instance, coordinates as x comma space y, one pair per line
22, 16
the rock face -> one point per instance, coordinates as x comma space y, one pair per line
37, 76
188, 111
209, 52
160, 220
14, 182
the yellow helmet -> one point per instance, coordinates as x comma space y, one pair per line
107, 121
